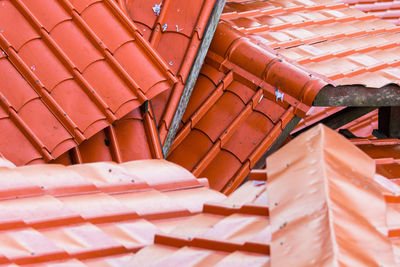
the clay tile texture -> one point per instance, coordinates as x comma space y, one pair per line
150, 212
328, 37
244, 98
133, 137
175, 29
69, 69
338, 211
387, 9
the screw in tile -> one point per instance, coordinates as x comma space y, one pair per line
1, 30
170, 63
100, 43
33, 67
164, 27
132, 181
157, 9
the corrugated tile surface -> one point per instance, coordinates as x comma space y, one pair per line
73, 65
384, 9
105, 214
344, 44
386, 155
175, 29
133, 137
72, 214
361, 127
334, 211
232, 232
243, 99
341, 43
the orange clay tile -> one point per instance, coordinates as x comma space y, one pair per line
243, 99
90, 211
384, 9
105, 214
341, 43
363, 126
133, 137
334, 212
385, 152
175, 30
66, 74
234, 231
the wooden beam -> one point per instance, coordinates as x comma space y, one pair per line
340, 118
194, 73
358, 96
389, 121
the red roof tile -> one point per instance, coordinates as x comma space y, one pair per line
334, 212
133, 137
341, 43
175, 32
47, 77
385, 152
363, 126
383, 9
235, 113
104, 213
94, 210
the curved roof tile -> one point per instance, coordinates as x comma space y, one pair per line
48, 77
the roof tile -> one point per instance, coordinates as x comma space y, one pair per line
84, 228
177, 38
56, 82
328, 231
234, 114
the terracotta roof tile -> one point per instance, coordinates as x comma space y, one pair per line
385, 154
133, 137
175, 33
235, 113
93, 210
48, 77
105, 213
327, 216
344, 44
387, 9
341, 43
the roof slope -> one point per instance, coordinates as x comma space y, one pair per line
175, 31
72, 64
244, 98
104, 213
51, 212
384, 9
334, 213
344, 44
341, 43
133, 137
